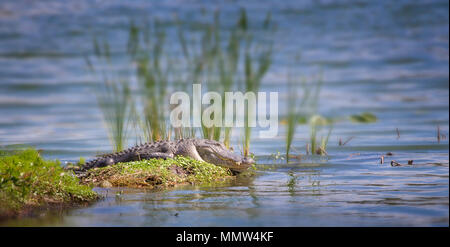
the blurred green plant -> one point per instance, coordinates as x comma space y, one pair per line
365, 117
210, 54
146, 49
293, 114
257, 61
113, 95
316, 122
303, 110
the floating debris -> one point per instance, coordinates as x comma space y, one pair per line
321, 151
297, 157
343, 143
293, 156
354, 154
440, 136
277, 156
394, 163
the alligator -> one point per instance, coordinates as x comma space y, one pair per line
199, 149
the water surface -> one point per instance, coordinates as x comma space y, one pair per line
388, 58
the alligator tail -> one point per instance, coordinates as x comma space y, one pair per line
111, 159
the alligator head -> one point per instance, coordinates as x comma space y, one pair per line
216, 153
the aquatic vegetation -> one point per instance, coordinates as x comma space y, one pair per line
158, 173
292, 117
365, 117
220, 61
291, 126
316, 122
210, 55
113, 95
324, 142
277, 156
311, 96
202, 63
217, 64
28, 182
311, 103
257, 61
146, 49
115, 103
81, 161
292, 182
45, 102
439, 135
302, 110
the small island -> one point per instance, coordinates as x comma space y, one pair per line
28, 183
156, 173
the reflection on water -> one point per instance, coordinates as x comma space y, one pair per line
296, 195
384, 57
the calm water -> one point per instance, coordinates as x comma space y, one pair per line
385, 57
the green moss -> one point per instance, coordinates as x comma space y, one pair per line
157, 173
27, 181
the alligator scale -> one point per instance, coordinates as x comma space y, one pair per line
199, 149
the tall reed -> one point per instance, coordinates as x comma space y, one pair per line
113, 96
292, 115
115, 102
257, 61
146, 49
210, 54
316, 121
306, 108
